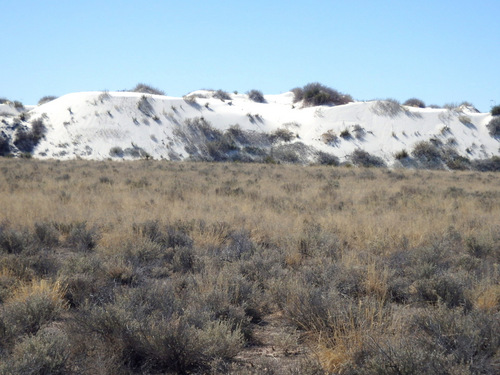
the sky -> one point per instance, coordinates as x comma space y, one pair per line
438, 51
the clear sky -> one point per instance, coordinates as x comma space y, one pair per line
438, 51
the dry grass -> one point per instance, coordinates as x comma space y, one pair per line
350, 256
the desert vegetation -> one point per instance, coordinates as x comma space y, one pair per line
314, 94
495, 110
415, 102
256, 96
147, 89
46, 99
153, 267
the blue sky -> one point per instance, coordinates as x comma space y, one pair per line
438, 51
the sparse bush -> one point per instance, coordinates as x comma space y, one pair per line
388, 107
46, 99
364, 159
346, 134
329, 137
466, 120
325, 158
495, 111
147, 89
18, 105
190, 99
494, 126
298, 94
284, 135
414, 102
145, 106
26, 141
427, 153
83, 239
315, 94
116, 152
403, 154
256, 96
222, 95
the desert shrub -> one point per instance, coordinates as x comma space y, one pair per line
403, 154
222, 95
325, 158
4, 146
346, 134
298, 94
31, 307
46, 234
414, 102
83, 239
427, 153
25, 140
315, 94
256, 96
495, 111
494, 126
387, 107
459, 163
359, 131
169, 236
329, 137
46, 99
147, 89
151, 330
44, 353
116, 152
18, 105
487, 165
364, 159
471, 339
145, 106
284, 135
13, 241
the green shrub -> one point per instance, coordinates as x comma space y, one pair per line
256, 96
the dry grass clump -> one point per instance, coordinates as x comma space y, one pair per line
172, 266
